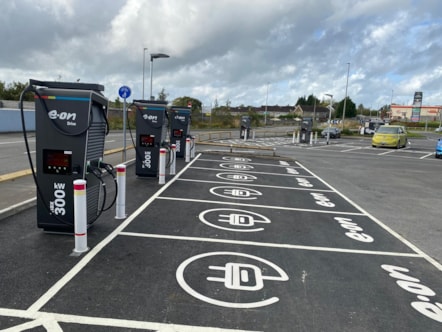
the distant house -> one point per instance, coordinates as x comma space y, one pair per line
320, 113
273, 111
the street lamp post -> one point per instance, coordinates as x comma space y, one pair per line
144, 64
154, 56
345, 100
265, 110
329, 116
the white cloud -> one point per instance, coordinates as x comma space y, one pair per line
231, 49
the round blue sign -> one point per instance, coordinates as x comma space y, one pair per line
124, 92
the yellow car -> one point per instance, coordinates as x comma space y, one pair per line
390, 136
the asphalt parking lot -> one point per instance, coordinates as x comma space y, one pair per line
233, 242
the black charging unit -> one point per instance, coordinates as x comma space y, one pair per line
70, 129
180, 120
245, 127
151, 134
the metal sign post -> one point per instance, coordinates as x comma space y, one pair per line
124, 93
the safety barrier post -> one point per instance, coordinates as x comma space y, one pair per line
311, 138
298, 137
173, 163
294, 137
121, 196
316, 137
192, 150
245, 135
162, 167
80, 216
187, 150
253, 134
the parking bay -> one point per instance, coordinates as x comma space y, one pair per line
258, 244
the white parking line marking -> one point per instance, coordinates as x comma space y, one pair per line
427, 155
386, 152
46, 297
43, 317
261, 206
256, 185
270, 245
381, 224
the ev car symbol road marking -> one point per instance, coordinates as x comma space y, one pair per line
239, 159
238, 272
242, 167
235, 192
242, 177
237, 220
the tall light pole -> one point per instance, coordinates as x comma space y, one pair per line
345, 100
144, 64
265, 110
154, 56
329, 116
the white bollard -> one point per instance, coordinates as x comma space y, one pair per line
80, 216
162, 167
187, 159
294, 137
253, 134
121, 196
311, 138
316, 137
192, 150
173, 163
298, 137
245, 135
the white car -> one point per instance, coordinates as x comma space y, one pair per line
438, 130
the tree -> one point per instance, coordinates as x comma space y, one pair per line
184, 101
350, 109
162, 95
13, 91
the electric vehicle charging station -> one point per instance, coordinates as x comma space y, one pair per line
70, 129
245, 127
151, 134
180, 119
306, 129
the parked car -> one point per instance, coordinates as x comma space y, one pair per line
438, 153
334, 132
390, 136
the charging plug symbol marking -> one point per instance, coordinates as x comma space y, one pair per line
238, 276
236, 166
236, 192
239, 220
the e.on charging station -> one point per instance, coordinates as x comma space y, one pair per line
180, 118
151, 135
70, 129
245, 127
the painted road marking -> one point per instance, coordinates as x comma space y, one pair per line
262, 206
272, 245
235, 276
234, 220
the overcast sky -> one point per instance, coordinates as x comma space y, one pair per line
242, 51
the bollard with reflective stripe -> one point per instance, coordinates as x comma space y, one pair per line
173, 164
192, 150
80, 216
121, 196
162, 168
187, 150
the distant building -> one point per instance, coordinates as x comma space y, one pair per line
320, 113
403, 112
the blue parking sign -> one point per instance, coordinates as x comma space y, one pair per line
124, 92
